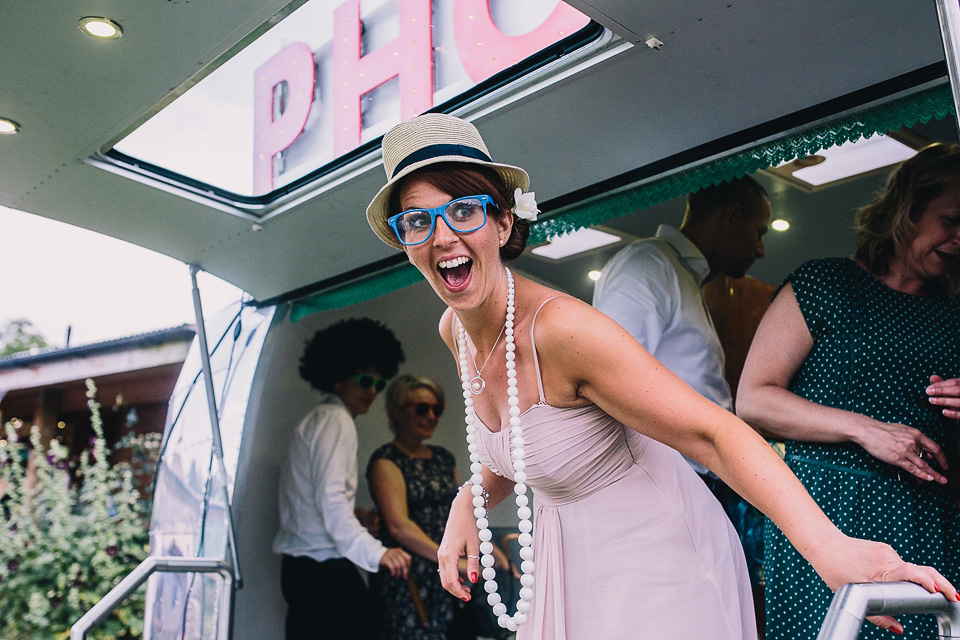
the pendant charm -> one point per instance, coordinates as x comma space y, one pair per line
477, 385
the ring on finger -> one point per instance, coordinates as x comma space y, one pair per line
475, 557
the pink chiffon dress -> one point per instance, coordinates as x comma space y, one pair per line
628, 542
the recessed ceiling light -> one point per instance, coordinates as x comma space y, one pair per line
780, 225
102, 28
575, 242
594, 275
8, 127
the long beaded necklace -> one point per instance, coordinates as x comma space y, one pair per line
519, 475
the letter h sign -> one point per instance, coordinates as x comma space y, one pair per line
409, 56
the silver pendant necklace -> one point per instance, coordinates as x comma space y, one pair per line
477, 383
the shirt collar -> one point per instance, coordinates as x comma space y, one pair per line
332, 398
687, 251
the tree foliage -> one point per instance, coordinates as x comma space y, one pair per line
19, 335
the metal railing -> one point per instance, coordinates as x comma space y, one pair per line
162, 564
854, 602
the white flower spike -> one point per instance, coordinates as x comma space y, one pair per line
525, 205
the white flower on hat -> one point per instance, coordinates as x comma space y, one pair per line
525, 204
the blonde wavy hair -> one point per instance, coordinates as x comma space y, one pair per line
401, 388
886, 226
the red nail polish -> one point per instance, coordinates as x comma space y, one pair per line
899, 632
465, 599
473, 576
936, 589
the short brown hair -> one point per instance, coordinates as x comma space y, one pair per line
885, 227
459, 180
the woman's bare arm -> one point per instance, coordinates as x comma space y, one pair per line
390, 493
779, 348
460, 535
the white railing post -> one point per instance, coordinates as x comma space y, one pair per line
949, 13
215, 423
162, 564
854, 602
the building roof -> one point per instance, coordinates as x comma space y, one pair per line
181, 333
131, 355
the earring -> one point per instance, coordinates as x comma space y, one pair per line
502, 241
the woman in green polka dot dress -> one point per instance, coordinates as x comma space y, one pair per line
856, 367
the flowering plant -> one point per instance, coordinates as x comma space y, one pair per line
525, 204
71, 530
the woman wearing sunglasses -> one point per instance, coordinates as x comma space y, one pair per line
320, 538
628, 541
413, 484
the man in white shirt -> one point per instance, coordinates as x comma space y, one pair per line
320, 538
654, 288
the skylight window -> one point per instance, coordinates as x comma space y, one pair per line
847, 160
575, 242
330, 78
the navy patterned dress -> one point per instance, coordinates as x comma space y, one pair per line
874, 350
431, 487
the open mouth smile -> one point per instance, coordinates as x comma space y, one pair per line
455, 272
946, 256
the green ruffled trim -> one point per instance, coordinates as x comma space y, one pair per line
366, 288
905, 112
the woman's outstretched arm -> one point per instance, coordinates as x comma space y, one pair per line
779, 348
585, 354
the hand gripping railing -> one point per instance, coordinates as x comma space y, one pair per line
162, 564
854, 602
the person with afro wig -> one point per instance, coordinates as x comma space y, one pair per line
321, 541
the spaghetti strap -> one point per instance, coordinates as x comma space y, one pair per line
536, 358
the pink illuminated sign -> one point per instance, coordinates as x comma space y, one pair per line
279, 116
286, 85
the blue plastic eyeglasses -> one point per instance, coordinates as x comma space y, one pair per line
463, 215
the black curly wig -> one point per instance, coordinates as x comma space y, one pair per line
347, 347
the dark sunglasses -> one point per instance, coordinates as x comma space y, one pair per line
365, 381
422, 408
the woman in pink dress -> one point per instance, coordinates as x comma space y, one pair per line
628, 541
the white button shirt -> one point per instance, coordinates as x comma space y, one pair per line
318, 488
653, 289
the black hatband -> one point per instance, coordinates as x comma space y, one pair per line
438, 150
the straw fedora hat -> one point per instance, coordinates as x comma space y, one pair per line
428, 139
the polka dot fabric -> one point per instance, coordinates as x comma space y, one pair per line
874, 350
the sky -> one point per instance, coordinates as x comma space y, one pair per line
56, 275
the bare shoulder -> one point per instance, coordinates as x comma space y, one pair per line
564, 319
575, 345
571, 334
381, 468
446, 328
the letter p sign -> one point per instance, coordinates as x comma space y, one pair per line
283, 94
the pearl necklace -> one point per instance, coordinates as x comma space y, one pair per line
519, 475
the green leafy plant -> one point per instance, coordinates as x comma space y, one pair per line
71, 530
19, 336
